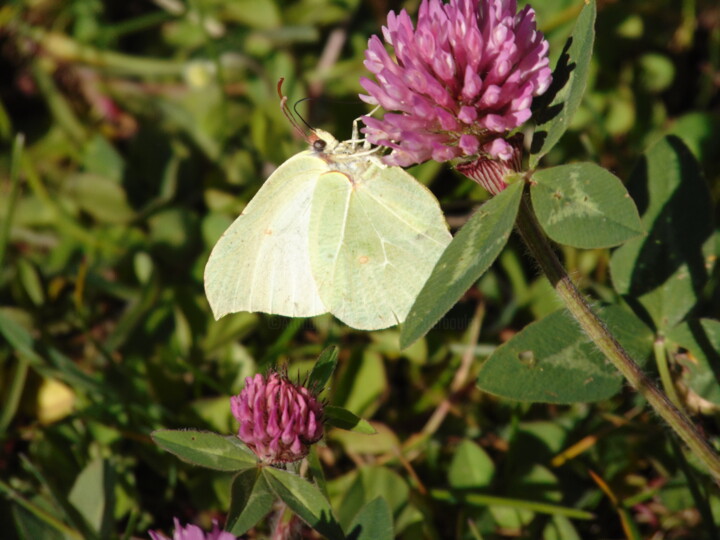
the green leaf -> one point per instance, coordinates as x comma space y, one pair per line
102, 198
526, 483
344, 419
557, 106
315, 470
552, 361
251, 500
373, 522
206, 449
383, 441
585, 206
465, 259
560, 528
471, 467
370, 483
101, 158
254, 14
93, 495
664, 272
31, 281
305, 499
361, 383
700, 131
701, 364
543, 439
323, 368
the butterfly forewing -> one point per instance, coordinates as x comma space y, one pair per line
262, 262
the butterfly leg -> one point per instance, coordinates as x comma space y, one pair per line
366, 143
355, 137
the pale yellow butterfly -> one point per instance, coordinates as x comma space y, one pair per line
331, 230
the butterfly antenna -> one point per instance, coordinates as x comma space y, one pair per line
284, 107
300, 116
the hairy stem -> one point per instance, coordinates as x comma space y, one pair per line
579, 307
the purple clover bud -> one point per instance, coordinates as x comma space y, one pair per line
491, 173
460, 81
193, 532
279, 420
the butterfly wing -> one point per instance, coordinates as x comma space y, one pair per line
262, 263
374, 240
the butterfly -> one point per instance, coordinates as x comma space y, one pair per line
331, 230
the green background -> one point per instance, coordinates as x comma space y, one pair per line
149, 125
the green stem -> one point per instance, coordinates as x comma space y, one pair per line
579, 307
664, 371
63, 48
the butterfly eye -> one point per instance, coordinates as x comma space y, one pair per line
319, 145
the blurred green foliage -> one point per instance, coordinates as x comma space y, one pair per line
147, 126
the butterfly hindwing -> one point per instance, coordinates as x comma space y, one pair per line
375, 235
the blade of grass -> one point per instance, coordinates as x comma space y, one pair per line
17, 149
293, 327
21, 369
136, 24
131, 524
59, 107
14, 392
38, 512
5, 123
626, 520
479, 499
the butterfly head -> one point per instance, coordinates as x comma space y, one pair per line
322, 142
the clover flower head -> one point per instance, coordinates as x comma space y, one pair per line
279, 420
193, 532
460, 81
